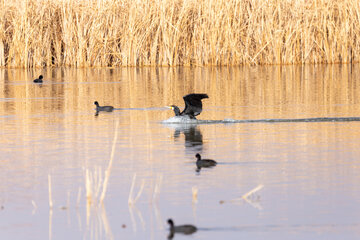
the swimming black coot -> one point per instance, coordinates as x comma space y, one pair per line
103, 108
184, 229
39, 80
200, 163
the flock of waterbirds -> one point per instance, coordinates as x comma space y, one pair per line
193, 107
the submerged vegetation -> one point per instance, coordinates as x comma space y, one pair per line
82, 33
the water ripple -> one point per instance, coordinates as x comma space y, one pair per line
187, 120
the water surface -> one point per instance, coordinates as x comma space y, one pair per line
309, 170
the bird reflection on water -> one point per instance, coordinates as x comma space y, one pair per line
193, 136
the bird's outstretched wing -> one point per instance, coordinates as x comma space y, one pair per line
193, 104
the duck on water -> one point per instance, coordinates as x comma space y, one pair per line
103, 108
39, 80
184, 229
203, 163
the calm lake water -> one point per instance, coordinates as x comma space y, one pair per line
309, 170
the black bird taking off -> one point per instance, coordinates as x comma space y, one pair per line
193, 105
39, 80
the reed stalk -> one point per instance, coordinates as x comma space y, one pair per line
108, 170
252, 191
246, 196
131, 199
50, 195
34, 205
157, 187
78, 198
87, 33
50, 207
194, 191
94, 182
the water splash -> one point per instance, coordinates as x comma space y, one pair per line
187, 120
183, 119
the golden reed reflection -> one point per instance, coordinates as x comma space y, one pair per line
287, 87
257, 92
235, 92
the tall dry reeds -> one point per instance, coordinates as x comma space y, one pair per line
36, 33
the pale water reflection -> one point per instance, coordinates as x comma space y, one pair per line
309, 170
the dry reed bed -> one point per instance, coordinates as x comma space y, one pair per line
37, 33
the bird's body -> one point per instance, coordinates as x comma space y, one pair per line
39, 80
185, 229
193, 105
103, 108
200, 163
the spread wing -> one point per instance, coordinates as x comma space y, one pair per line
193, 104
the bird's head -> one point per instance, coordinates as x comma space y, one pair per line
175, 108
